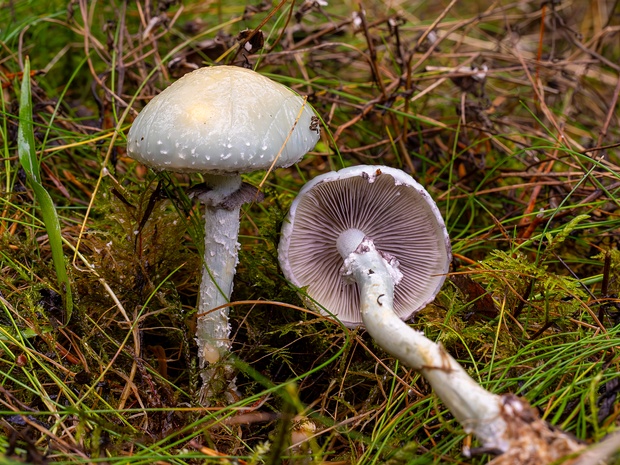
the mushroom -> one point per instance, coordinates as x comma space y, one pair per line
369, 245
222, 121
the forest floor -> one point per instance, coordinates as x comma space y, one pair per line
506, 112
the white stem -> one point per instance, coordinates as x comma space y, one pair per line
217, 282
476, 409
220, 262
348, 241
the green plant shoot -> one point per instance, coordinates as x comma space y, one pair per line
30, 164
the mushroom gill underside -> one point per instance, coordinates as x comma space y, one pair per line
331, 209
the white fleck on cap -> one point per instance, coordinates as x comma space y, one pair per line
223, 119
392, 210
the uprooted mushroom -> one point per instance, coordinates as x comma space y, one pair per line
369, 246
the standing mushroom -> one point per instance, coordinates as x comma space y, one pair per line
222, 121
369, 246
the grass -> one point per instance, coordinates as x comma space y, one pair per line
100, 258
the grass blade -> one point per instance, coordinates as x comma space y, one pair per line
28, 160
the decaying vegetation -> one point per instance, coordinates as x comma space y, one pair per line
507, 112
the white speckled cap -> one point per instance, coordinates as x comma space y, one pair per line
223, 119
391, 209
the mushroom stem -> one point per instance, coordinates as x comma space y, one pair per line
348, 241
476, 409
218, 272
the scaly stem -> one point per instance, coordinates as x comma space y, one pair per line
476, 409
213, 330
220, 262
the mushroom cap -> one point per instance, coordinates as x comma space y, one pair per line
223, 119
391, 209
